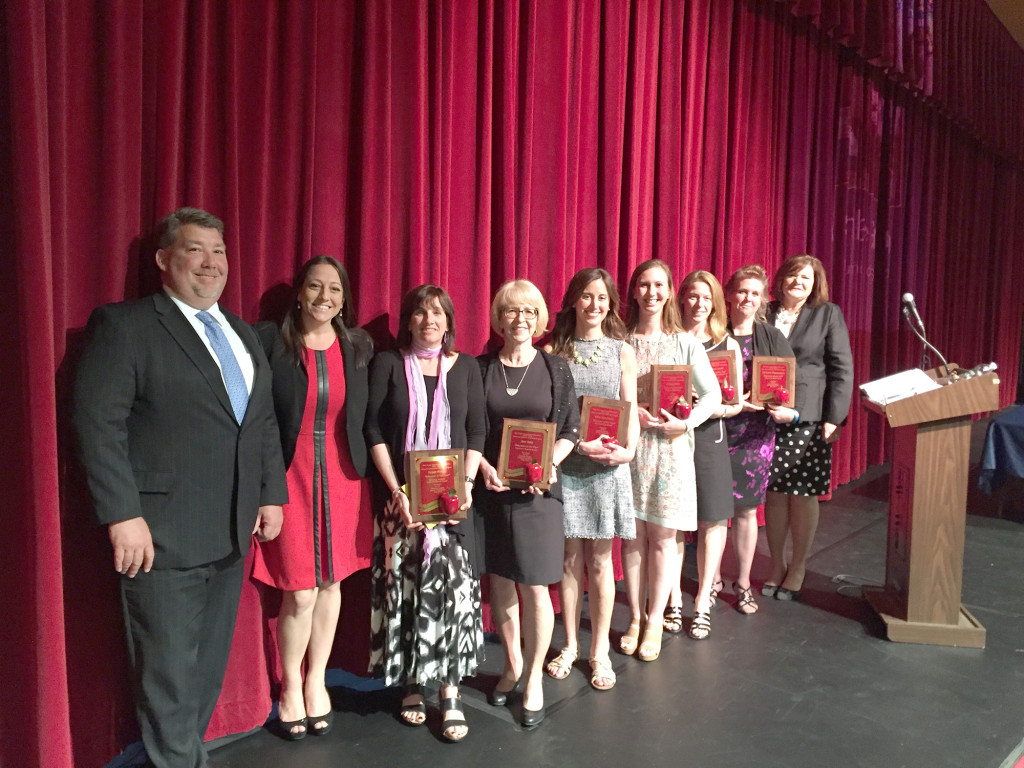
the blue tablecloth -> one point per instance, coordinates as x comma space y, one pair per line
1004, 449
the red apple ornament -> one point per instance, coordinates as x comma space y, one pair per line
681, 410
534, 472
728, 391
449, 502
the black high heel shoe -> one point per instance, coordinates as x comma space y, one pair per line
532, 717
285, 729
323, 730
499, 698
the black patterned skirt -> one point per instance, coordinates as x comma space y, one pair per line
802, 464
425, 618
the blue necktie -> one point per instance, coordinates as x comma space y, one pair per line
233, 378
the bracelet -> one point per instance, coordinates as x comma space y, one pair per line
471, 481
397, 489
796, 419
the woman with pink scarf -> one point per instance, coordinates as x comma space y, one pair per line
426, 592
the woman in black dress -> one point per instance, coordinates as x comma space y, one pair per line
524, 534
425, 602
802, 468
703, 314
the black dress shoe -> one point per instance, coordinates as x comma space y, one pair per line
532, 717
787, 595
498, 698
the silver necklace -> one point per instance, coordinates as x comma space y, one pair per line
513, 391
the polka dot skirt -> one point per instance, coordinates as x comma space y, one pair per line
802, 464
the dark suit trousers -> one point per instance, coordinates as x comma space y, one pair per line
179, 624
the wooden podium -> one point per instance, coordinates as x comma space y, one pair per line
920, 602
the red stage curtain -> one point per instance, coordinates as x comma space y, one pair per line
463, 142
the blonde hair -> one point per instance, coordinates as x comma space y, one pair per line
753, 271
718, 318
519, 293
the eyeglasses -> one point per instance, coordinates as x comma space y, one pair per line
511, 313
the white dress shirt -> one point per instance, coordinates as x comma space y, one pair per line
237, 346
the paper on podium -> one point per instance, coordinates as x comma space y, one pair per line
898, 386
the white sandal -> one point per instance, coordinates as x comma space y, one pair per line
560, 666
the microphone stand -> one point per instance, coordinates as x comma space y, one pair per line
925, 361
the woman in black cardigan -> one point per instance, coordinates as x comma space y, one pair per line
802, 466
525, 537
426, 624
319, 364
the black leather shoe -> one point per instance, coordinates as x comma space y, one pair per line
532, 717
498, 698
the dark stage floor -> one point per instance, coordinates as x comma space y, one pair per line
799, 685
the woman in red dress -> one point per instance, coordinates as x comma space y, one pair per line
319, 362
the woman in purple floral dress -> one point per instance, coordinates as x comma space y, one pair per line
752, 431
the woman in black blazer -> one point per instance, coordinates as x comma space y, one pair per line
319, 363
802, 465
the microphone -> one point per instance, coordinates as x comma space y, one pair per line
910, 308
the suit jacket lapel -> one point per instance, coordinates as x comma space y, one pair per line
187, 338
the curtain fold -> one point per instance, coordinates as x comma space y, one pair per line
463, 142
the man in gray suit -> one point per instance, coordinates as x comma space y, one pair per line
177, 433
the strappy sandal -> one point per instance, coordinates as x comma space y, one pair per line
672, 620
700, 628
413, 715
453, 728
560, 666
716, 588
745, 603
650, 648
629, 639
601, 669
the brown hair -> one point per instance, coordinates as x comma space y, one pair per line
671, 321
167, 228
792, 265
718, 318
344, 322
565, 320
416, 298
